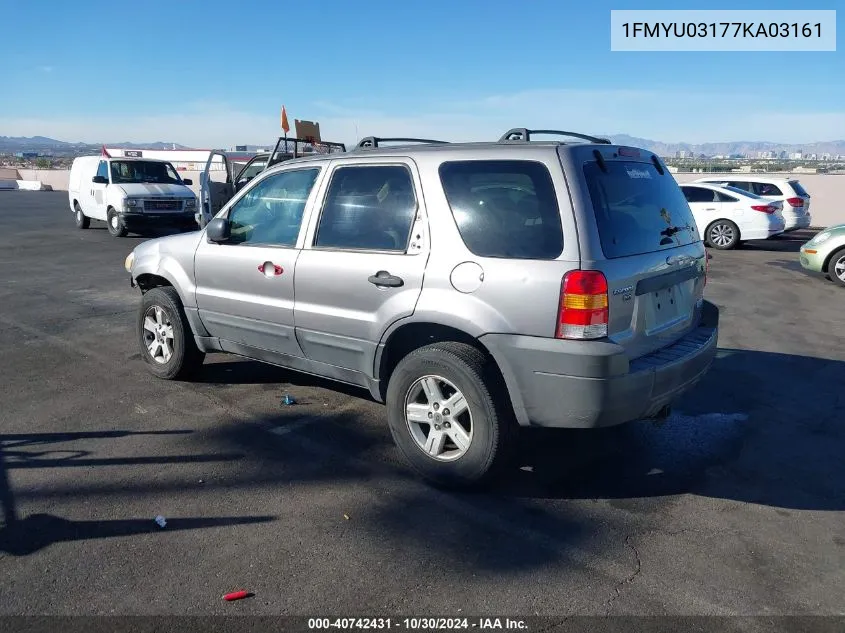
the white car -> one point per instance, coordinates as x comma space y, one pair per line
727, 216
129, 194
788, 191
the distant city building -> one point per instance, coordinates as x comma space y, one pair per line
27, 155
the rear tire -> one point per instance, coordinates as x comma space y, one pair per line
80, 219
458, 448
116, 226
722, 235
836, 267
165, 336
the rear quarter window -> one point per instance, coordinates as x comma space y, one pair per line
638, 210
504, 208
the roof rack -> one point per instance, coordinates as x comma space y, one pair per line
521, 134
299, 145
373, 141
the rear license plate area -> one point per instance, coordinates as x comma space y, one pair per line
664, 308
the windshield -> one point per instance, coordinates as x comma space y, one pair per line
253, 169
638, 210
139, 171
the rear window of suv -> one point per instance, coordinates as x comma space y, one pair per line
638, 210
504, 208
797, 188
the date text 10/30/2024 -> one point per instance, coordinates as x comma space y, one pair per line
417, 624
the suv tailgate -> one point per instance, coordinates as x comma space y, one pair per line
637, 229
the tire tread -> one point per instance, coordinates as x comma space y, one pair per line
492, 389
191, 356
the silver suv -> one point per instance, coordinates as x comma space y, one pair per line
473, 288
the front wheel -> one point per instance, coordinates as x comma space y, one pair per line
444, 416
166, 339
836, 267
722, 235
116, 226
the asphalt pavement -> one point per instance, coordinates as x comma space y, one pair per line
735, 506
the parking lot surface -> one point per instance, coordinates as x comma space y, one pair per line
736, 505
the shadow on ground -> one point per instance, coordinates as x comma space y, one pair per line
24, 536
760, 428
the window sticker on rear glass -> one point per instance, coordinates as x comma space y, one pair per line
638, 173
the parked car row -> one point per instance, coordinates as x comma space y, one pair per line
731, 211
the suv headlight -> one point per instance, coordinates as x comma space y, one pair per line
130, 259
130, 202
190, 203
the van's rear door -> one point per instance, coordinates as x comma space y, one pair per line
637, 228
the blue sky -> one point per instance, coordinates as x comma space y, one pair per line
215, 73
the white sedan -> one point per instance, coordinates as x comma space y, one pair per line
727, 216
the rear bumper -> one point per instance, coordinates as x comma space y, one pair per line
149, 220
797, 222
589, 384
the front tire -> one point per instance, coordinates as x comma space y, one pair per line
722, 235
836, 267
165, 336
116, 226
444, 417
80, 219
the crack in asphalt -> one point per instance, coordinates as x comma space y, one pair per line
617, 590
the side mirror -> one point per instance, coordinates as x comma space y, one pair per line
100, 180
218, 230
187, 181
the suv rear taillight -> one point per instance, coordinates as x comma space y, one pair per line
583, 312
795, 202
764, 208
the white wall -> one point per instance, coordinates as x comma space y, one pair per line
827, 191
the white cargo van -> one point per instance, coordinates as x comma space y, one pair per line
130, 194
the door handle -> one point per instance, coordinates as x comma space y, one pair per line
269, 268
710, 209
385, 279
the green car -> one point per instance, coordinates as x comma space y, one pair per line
825, 253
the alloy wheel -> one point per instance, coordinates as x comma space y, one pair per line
721, 234
439, 418
158, 334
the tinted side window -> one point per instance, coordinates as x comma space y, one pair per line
504, 208
766, 189
271, 212
103, 170
745, 186
698, 194
638, 210
368, 208
723, 197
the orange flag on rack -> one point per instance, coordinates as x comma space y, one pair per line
285, 124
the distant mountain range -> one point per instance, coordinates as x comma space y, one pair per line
751, 148
729, 148
41, 143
